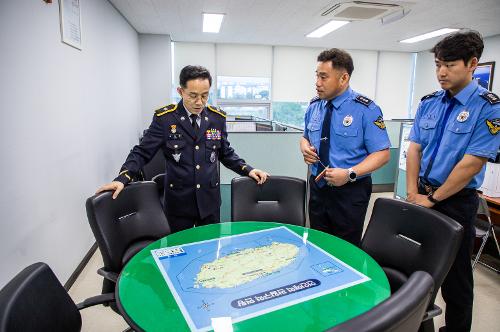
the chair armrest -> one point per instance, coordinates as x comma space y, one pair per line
433, 312
111, 276
95, 300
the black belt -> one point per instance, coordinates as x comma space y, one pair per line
429, 188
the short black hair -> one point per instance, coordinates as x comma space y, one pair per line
340, 59
189, 73
459, 46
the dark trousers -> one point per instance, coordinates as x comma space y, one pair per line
180, 223
458, 286
340, 211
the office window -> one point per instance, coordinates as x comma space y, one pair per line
239, 95
260, 111
290, 113
243, 88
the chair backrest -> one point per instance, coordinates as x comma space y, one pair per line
34, 300
402, 312
280, 199
155, 166
135, 215
404, 238
159, 179
483, 208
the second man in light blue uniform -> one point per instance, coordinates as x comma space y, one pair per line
454, 134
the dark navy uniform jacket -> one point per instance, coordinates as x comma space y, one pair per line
192, 186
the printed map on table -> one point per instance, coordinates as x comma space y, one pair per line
243, 276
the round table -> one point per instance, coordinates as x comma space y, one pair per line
147, 303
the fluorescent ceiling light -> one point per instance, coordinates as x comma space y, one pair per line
212, 22
428, 35
326, 29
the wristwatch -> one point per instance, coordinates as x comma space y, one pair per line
431, 198
352, 175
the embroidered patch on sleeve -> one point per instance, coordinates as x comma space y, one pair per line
380, 122
493, 126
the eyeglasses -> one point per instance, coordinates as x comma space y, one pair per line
195, 97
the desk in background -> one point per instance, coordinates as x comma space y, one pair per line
147, 303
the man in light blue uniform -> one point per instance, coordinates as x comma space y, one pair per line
454, 134
345, 140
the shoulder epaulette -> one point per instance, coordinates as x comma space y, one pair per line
430, 95
363, 100
166, 109
315, 99
217, 110
490, 97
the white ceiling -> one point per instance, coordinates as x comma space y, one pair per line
286, 22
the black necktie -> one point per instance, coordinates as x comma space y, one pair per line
194, 123
324, 146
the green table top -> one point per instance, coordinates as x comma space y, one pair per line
146, 301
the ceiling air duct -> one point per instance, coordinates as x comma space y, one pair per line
361, 10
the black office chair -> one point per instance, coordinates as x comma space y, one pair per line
34, 300
159, 179
403, 311
404, 238
154, 167
279, 199
484, 230
125, 225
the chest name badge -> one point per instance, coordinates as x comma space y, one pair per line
347, 121
463, 116
173, 129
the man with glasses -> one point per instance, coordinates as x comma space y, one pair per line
193, 138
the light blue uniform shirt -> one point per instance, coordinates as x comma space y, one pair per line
471, 128
357, 129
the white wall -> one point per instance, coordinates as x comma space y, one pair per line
201, 54
382, 76
393, 85
425, 75
294, 73
243, 60
156, 74
68, 119
425, 79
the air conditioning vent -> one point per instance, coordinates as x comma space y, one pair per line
360, 10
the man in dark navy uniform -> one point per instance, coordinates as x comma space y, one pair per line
454, 134
193, 138
345, 139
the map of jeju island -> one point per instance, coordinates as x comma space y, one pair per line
246, 265
244, 276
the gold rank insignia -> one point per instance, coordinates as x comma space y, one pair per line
166, 109
380, 122
493, 126
173, 129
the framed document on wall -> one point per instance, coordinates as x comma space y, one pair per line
71, 24
484, 74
